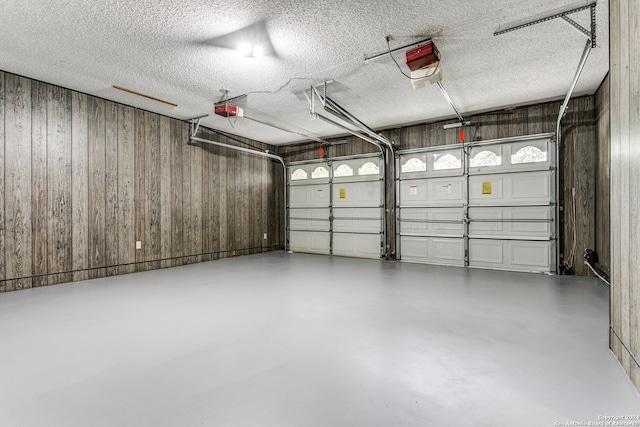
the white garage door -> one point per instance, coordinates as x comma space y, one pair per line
512, 205
431, 194
309, 208
336, 206
490, 204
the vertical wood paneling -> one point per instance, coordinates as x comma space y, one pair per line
97, 187
187, 228
80, 185
210, 199
126, 190
233, 221
39, 185
87, 178
584, 178
165, 192
412, 137
196, 154
18, 237
623, 278
139, 179
224, 213
152, 246
634, 179
625, 203
603, 238
216, 203
616, 227
242, 201
3, 261
111, 188
177, 206
59, 183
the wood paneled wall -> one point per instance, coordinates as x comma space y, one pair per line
603, 220
625, 184
578, 152
82, 179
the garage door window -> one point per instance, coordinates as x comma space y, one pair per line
414, 165
369, 168
320, 172
486, 158
298, 174
446, 161
529, 154
343, 170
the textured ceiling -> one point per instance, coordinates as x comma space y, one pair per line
168, 49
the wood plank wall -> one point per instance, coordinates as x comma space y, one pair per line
82, 179
578, 153
625, 184
603, 238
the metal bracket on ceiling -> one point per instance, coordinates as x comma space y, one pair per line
589, 33
195, 123
331, 107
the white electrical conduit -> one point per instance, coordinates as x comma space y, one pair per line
259, 153
596, 273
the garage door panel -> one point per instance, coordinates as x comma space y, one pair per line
517, 255
433, 250
357, 194
357, 245
309, 196
432, 221
309, 242
432, 191
512, 222
365, 220
525, 188
309, 219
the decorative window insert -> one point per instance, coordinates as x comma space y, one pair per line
320, 172
446, 161
369, 168
414, 165
298, 175
342, 171
486, 158
529, 154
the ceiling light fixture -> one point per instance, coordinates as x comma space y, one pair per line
252, 41
251, 50
245, 49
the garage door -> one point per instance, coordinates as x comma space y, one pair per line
490, 204
309, 208
431, 194
512, 205
336, 206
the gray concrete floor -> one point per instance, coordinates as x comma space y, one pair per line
304, 340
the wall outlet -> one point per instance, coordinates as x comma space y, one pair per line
265, 236
138, 244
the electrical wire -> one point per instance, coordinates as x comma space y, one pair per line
405, 74
569, 262
596, 273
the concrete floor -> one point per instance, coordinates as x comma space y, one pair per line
304, 340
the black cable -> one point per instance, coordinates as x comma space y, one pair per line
405, 74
